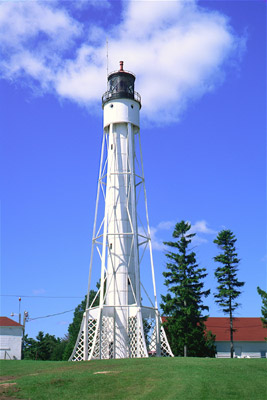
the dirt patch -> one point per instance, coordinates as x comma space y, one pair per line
6, 385
7, 378
7, 389
8, 398
107, 372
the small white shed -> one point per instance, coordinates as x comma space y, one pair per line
10, 339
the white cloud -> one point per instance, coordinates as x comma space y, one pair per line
83, 78
165, 225
157, 244
82, 4
202, 227
37, 292
33, 39
176, 49
20, 21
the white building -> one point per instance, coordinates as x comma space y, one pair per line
10, 339
249, 337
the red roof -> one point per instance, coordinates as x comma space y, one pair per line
247, 329
5, 321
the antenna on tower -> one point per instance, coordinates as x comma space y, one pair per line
107, 57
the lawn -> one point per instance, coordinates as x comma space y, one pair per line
153, 378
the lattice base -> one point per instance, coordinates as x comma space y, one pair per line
106, 340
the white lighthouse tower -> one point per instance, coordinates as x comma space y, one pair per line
120, 325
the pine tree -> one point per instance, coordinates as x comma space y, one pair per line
29, 348
183, 304
41, 348
263, 295
226, 274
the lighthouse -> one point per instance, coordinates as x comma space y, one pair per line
118, 323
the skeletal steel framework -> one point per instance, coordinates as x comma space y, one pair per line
120, 326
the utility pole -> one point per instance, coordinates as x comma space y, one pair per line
19, 311
25, 319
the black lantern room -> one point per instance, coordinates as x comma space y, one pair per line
121, 86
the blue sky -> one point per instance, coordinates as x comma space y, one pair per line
201, 72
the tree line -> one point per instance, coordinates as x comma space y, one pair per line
182, 305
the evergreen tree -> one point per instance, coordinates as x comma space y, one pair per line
59, 349
263, 295
226, 274
183, 304
29, 348
44, 347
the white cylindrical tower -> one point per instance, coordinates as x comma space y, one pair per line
120, 326
121, 122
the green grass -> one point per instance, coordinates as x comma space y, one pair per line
153, 378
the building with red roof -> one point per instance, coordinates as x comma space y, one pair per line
249, 336
11, 334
